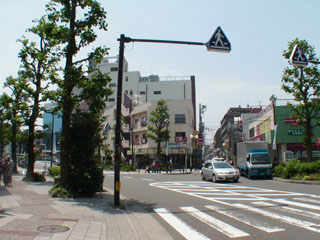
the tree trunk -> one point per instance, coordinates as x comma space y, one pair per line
14, 147
69, 83
65, 142
158, 151
31, 154
309, 140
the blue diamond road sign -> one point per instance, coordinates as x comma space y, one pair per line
297, 57
219, 42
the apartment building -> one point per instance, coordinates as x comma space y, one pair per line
144, 93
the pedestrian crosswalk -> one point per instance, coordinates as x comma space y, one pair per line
242, 212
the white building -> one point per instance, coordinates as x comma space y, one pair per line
180, 95
144, 149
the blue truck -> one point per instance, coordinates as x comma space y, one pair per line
253, 159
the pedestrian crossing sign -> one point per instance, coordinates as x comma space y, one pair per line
297, 57
219, 42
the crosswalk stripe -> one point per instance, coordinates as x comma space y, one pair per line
222, 227
290, 209
147, 179
308, 200
304, 205
246, 219
184, 229
283, 218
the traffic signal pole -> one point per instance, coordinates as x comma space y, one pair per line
123, 39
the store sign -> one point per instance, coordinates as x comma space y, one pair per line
295, 131
291, 121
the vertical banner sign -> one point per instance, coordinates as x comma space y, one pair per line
274, 145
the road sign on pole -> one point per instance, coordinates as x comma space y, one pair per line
219, 42
297, 57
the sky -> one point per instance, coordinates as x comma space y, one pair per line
258, 30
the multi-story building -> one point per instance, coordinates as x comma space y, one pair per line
230, 130
287, 138
135, 132
147, 89
144, 92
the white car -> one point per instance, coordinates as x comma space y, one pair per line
219, 171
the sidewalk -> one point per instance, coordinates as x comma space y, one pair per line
27, 212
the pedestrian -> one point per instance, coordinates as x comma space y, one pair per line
153, 166
157, 166
7, 172
147, 169
170, 165
1, 165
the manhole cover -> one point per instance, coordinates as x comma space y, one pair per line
52, 229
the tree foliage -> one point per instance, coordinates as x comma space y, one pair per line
75, 22
84, 166
39, 70
15, 110
304, 85
159, 117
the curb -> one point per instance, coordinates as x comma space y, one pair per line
296, 181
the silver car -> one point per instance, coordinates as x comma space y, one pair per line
218, 170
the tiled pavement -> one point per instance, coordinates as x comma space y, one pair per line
27, 212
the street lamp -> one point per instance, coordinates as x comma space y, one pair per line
218, 42
52, 135
132, 150
273, 100
167, 121
191, 147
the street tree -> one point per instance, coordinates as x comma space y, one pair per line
75, 24
159, 118
303, 83
40, 69
15, 110
4, 130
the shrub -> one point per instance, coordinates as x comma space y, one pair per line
278, 170
59, 192
86, 175
54, 171
36, 177
298, 170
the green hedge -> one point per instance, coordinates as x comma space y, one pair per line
296, 169
54, 171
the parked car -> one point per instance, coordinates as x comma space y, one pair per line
219, 170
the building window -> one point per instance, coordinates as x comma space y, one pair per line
131, 92
157, 92
142, 93
127, 79
180, 118
179, 137
112, 85
111, 99
251, 132
113, 69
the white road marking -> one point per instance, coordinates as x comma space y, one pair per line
297, 204
282, 218
215, 223
246, 219
127, 177
147, 179
184, 229
308, 200
292, 210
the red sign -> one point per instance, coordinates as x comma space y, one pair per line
200, 139
318, 142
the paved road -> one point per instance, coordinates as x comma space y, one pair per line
251, 209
